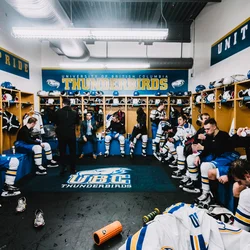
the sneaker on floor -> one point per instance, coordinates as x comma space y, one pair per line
10, 190
157, 156
21, 205
191, 187
39, 218
183, 181
41, 170
178, 174
52, 164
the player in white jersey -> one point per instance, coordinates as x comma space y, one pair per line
240, 171
186, 227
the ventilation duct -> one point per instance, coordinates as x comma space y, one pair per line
156, 63
50, 13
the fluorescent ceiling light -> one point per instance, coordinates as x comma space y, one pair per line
91, 34
105, 65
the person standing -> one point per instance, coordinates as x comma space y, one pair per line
66, 120
88, 133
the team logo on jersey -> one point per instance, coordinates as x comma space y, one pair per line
167, 248
100, 178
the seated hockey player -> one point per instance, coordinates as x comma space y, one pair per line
10, 165
240, 171
167, 150
158, 117
114, 131
139, 131
184, 132
25, 144
192, 173
184, 226
217, 153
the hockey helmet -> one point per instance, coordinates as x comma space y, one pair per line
136, 93
42, 93
218, 83
93, 93
7, 97
7, 85
221, 213
228, 80
158, 93
198, 99
157, 101
63, 93
239, 78
71, 93
209, 98
115, 93
199, 88
76, 93
248, 74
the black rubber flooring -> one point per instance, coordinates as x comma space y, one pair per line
72, 217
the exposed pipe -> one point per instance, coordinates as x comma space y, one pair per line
51, 13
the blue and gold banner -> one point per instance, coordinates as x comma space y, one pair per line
146, 82
14, 64
230, 44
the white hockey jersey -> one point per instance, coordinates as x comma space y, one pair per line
183, 131
186, 227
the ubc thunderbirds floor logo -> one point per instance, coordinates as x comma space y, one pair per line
100, 178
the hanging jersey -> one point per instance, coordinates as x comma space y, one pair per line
186, 227
39, 124
156, 116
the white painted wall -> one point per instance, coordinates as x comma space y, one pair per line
215, 21
29, 50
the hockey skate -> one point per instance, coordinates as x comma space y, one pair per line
10, 190
204, 200
191, 187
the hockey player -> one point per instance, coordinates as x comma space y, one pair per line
188, 180
25, 144
157, 117
114, 132
240, 171
139, 131
167, 150
183, 226
10, 165
185, 131
216, 155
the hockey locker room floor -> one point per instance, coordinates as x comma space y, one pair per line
74, 207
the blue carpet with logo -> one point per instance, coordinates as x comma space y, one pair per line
140, 175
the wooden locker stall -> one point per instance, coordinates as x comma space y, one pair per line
14, 107
131, 114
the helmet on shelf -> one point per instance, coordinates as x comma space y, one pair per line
158, 93
199, 88
115, 93
136, 93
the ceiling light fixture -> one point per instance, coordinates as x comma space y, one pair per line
91, 34
105, 65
